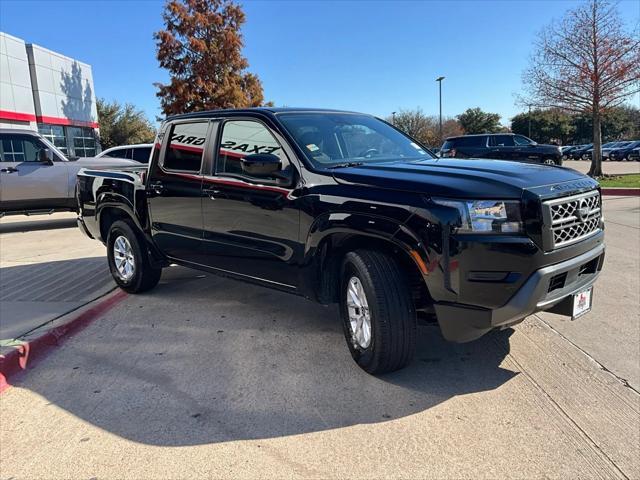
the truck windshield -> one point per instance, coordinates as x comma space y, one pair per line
340, 139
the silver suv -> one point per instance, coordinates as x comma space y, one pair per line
36, 177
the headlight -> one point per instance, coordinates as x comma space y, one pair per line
486, 216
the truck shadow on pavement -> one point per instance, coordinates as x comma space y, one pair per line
203, 360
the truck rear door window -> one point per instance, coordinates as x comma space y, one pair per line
186, 145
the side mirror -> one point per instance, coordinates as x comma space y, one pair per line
261, 165
46, 156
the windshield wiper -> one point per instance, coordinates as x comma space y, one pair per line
345, 165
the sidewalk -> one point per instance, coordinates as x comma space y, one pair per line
44, 275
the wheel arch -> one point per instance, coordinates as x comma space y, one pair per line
331, 241
109, 213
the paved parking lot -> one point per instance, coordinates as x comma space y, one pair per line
609, 168
209, 377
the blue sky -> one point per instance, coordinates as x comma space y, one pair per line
370, 56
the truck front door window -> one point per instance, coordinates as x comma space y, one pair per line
20, 148
245, 137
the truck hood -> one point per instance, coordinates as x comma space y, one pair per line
468, 178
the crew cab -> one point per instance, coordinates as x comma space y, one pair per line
343, 208
36, 177
502, 146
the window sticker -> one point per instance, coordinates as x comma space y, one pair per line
312, 147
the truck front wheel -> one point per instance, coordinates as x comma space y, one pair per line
129, 259
377, 310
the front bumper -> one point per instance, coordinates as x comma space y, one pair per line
544, 289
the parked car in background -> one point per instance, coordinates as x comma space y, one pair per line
140, 152
577, 153
624, 152
635, 154
567, 149
606, 149
501, 146
341, 207
36, 177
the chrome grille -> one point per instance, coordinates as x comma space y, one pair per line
568, 220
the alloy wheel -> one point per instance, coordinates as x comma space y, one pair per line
123, 258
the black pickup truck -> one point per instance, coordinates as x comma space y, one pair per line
341, 207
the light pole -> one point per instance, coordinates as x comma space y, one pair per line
529, 105
439, 80
393, 118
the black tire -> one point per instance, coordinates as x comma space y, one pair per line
145, 276
392, 313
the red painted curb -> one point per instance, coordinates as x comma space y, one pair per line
627, 192
27, 354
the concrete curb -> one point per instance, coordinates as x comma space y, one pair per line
627, 192
26, 352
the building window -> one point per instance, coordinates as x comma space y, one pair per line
55, 134
74, 142
82, 141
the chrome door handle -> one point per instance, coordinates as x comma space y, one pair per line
212, 193
157, 187
9, 170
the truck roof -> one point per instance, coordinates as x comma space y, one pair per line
481, 135
263, 110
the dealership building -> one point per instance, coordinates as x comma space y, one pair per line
48, 92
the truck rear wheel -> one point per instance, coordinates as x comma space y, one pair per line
129, 259
377, 311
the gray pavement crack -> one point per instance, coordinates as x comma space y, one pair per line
620, 379
590, 441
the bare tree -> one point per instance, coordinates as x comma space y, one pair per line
585, 63
425, 128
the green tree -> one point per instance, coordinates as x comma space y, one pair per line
619, 123
122, 124
547, 125
201, 47
474, 120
